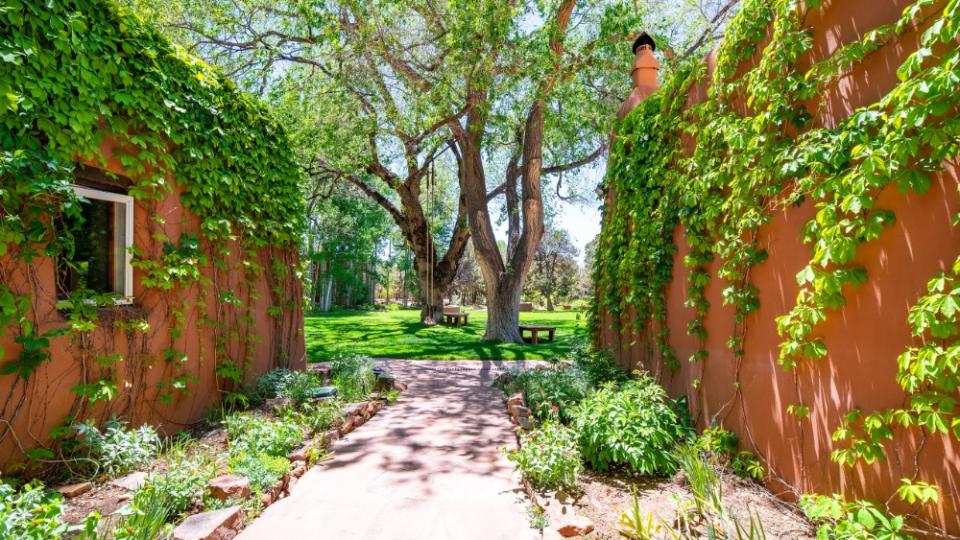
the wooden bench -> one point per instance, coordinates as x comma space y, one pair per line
535, 331
457, 319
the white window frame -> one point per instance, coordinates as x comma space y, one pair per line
127, 202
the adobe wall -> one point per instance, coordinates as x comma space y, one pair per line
864, 337
37, 405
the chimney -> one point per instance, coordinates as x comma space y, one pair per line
644, 74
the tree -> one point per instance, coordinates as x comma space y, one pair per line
345, 235
554, 272
468, 283
385, 89
334, 76
585, 283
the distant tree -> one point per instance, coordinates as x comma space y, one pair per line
585, 273
554, 272
469, 283
344, 239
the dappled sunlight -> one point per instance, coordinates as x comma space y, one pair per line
400, 334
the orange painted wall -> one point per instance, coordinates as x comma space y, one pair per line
864, 338
35, 406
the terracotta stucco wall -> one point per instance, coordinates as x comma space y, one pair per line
864, 337
35, 406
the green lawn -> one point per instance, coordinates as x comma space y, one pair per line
399, 334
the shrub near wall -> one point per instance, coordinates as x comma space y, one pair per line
85, 80
760, 149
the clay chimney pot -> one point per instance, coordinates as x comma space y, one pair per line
644, 75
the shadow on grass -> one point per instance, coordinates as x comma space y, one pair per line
401, 335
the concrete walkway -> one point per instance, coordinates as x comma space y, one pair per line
427, 468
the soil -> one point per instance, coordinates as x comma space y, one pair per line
104, 499
605, 496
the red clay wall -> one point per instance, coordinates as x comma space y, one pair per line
864, 338
35, 406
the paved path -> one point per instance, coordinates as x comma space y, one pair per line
426, 468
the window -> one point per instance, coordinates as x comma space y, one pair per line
100, 261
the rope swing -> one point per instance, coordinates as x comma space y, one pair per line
431, 256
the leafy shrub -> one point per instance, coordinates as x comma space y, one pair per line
717, 441
256, 435
598, 366
300, 387
746, 465
185, 480
552, 392
838, 519
116, 449
548, 457
353, 376
30, 513
722, 443
632, 426
315, 416
263, 470
270, 384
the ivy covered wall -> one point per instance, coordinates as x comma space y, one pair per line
779, 245
218, 219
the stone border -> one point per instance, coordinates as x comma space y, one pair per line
568, 524
227, 523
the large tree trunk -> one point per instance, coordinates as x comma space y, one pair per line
503, 311
504, 278
435, 274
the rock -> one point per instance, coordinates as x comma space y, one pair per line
385, 383
267, 498
574, 526
215, 525
297, 468
290, 483
320, 368
229, 486
354, 409
515, 399
130, 482
525, 422
75, 490
347, 427
300, 454
521, 411
331, 437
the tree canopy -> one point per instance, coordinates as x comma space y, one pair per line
507, 94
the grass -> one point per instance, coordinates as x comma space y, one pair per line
399, 334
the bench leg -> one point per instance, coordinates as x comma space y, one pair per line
535, 339
551, 335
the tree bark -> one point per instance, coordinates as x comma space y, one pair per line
504, 279
435, 274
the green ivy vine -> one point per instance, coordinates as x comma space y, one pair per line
723, 167
76, 73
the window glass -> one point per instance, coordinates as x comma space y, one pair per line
99, 261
